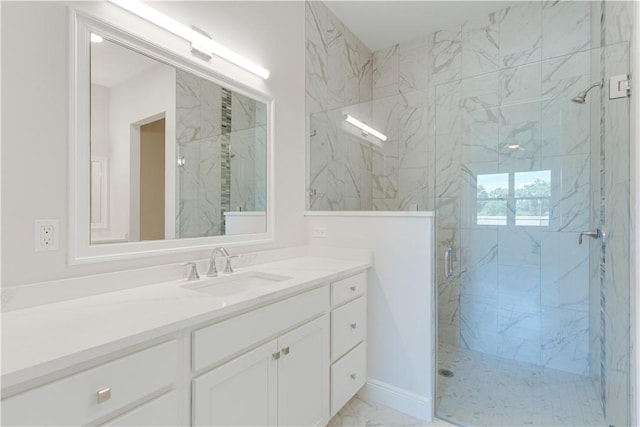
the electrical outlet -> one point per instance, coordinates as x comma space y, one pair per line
320, 232
46, 235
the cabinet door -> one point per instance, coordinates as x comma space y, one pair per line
242, 392
303, 375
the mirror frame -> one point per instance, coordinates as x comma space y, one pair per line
147, 41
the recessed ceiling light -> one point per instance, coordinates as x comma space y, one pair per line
513, 146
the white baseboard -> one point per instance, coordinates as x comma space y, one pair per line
396, 398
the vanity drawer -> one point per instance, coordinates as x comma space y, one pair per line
161, 411
74, 400
214, 343
348, 327
348, 375
349, 288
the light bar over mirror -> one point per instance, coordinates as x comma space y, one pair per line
198, 41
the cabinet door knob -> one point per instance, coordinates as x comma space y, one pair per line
353, 325
285, 350
353, 288
353, 376
104, 395
276, 355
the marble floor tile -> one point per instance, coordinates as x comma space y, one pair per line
360, 412
491, 391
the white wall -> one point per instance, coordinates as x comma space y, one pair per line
99, 121
400, 301
34, 85
150, 93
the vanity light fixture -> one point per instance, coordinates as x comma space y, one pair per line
366, 130
198, 41
95, 38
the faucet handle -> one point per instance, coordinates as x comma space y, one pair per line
193, 271
228, 268
213, 271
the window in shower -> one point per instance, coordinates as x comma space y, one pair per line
532, 194
492, 197
515, 198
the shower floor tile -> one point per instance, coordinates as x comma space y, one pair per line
489, 391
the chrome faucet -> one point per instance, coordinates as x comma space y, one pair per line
213, 271
193, 271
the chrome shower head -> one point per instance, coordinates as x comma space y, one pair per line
581, 98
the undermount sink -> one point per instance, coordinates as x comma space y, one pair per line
234, 284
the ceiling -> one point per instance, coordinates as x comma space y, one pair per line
380, 24
112, 64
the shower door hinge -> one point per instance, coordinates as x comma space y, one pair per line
619, 86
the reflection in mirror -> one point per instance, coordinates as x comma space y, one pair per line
173, 155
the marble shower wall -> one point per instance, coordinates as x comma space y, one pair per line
338, 74
224, 155
199, 138
451, 103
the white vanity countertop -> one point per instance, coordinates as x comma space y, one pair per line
40, 340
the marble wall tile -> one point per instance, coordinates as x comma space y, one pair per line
448, 114
570, 192
566, 27
565, 340
519, 246
520, 84
519, 137
618, 17
319, 160
336, 58
384, 117
479, 258
413, 128
243, 112
480, 140
521, 34
211, 109
480, 92
564, 267
446, 56
480, 45
188, 102
519, 288
357, 171
316, 57
414, 189
413, 65
448, 165
385, 72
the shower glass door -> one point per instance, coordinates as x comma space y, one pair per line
533, 327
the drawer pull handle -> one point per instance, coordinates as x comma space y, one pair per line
353, 376
353, 288
353, 325
276, 355
285, 350
104, 395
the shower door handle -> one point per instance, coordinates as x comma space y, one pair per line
593, 234
448, 263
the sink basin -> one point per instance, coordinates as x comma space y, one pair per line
235, 284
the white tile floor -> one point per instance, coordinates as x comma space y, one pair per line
360, 412
489, 391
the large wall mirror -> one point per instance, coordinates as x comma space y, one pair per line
172, 154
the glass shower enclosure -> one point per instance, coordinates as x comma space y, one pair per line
532, 203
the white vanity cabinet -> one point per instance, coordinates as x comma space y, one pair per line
293, 361
128, 383
282, 382
348, 339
